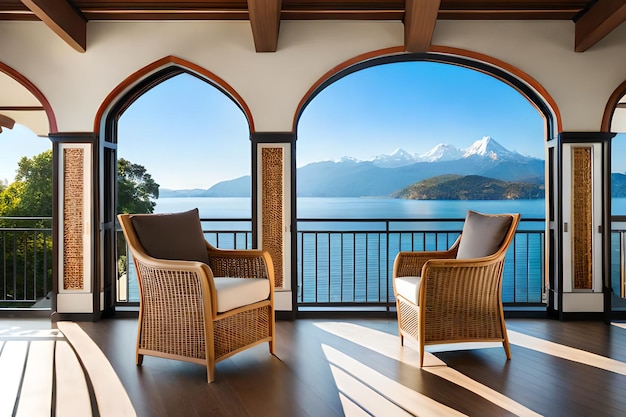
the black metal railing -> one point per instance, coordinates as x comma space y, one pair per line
350, 262
618, 257
339, 262
25, 262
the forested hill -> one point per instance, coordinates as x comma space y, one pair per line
469, 187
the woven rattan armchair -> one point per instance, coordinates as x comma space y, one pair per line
455, 296
202, 309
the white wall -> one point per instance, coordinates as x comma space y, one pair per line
272, 84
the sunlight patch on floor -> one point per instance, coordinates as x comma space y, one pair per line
12, 359
20, 332
377, 394
112, 398
389, 345
41, 371
350, 409
566, 352
620, 325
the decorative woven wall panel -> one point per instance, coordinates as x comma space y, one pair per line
582, 227
73, 217
272, 208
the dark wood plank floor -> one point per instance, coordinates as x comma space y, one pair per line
336, 368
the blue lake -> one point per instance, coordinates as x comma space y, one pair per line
329, 287
355, 208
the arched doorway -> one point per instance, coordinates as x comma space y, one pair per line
366, 251
26, 118
161, 143
614, 121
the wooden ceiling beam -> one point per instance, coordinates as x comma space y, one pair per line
63, 19
6, 121
419, 24
597, 22
264, 18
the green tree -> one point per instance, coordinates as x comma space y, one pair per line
10, 198
135, 193
28, 243
31, 192
31, 195
135, 188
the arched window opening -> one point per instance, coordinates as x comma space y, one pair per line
618, 162
182, 143
391, 154
618, 205
26, 276
190, 137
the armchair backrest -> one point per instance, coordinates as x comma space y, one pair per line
486, 234
172, 236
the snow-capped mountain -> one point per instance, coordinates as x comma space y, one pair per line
385, 174
488, 147
349, 159
442, 152
398, 158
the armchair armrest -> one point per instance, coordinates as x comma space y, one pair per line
159, 276
435, 271
241, 263
411, 263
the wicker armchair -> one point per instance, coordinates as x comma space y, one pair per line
455, 296
198, 303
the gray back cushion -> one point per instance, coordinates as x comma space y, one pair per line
175, 236
482, 234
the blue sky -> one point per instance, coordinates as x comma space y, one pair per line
190, 135
187, 134
415, 106
15, 143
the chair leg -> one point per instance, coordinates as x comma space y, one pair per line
210, 372
139, 359
505, 340
272, 346
507, 347
399, 322
421, 354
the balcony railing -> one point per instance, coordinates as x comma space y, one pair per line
618, 259
350, 262
339, 262
25, 262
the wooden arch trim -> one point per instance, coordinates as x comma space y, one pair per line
611, 105
162, 63
316, 87
444, 50
45, 104
6, 121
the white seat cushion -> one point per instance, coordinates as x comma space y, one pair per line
409, 288
238, 292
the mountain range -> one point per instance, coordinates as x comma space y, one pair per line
486, 147
387, 174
